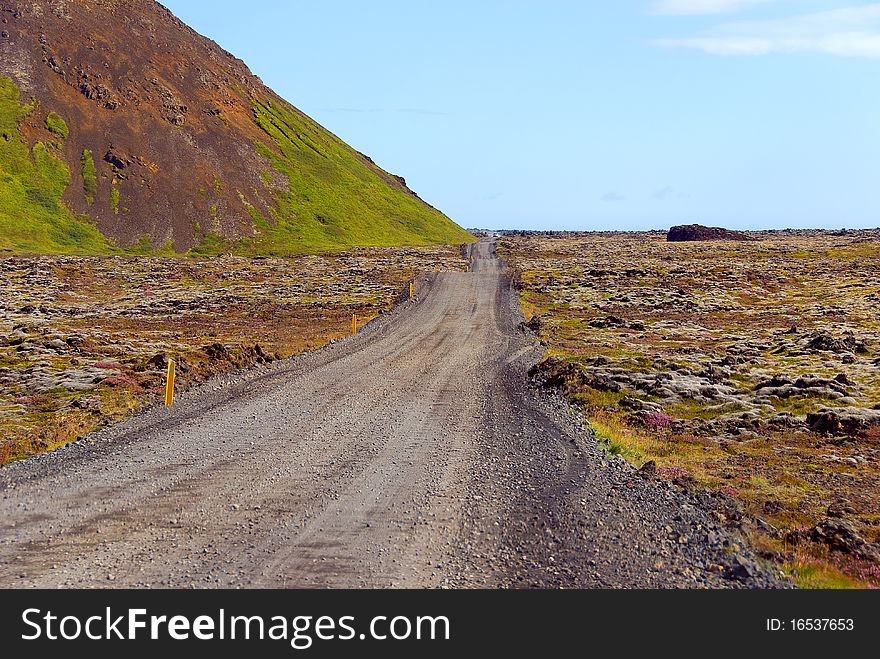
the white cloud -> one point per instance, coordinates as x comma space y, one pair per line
702, 7
847, 32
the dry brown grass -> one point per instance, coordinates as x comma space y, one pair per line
121, 312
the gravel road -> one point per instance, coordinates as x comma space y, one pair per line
416, 454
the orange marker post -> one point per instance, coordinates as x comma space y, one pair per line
354, 324
169, 383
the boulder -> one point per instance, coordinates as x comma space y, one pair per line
159, 361
216, 351
75, 340
556, 373
630, 403
608, 321
840, 509
842, 535
116, 159
786, 420
827, 342
57, 345
261, 356
741, 568
774, 382
697, 232
848, 420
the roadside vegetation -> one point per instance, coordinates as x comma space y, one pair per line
748, 368
84, 341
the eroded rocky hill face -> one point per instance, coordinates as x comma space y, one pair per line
164, 140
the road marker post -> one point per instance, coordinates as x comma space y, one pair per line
354, 324
169, 382
410, 290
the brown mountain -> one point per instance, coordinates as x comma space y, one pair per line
160, 138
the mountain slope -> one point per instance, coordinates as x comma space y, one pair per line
120, 127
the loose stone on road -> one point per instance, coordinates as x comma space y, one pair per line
416, 454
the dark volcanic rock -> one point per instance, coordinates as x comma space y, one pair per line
848, 343
608, 321
842, 535
534, 323
116, 159
850, 421
217, 351
693, 232
840, 509
825, 422
159, 361
553, 372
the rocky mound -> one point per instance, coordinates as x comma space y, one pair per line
694, 232
121, 127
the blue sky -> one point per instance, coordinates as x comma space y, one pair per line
630, 114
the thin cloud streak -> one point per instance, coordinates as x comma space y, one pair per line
702, 7
847, 32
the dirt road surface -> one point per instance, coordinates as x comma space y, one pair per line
416, 454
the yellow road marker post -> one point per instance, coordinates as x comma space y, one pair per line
410, 290
169, 382
354, 324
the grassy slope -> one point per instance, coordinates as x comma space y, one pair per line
333, 198
32, 181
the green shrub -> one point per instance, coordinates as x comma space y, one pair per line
33, 217
89, 176
57, 125
114, 200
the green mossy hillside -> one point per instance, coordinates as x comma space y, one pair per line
334, 198
329, 197
33, 217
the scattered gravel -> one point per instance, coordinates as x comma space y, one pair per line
417, 454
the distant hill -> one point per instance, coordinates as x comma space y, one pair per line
122, 129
